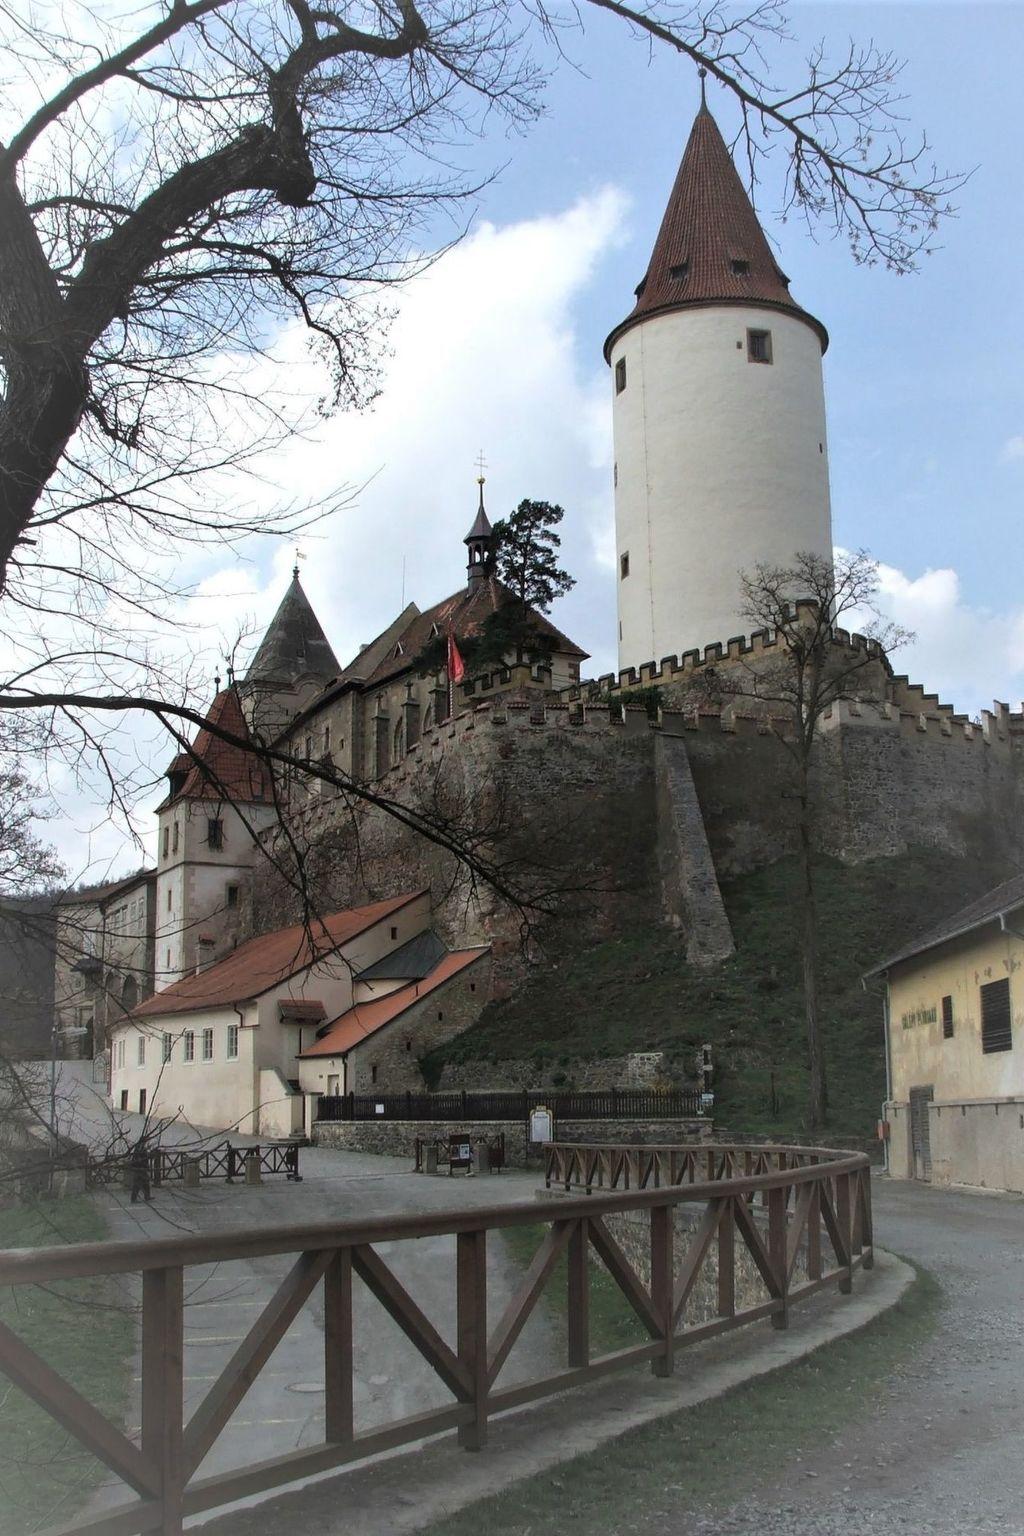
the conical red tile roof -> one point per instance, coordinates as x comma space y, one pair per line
710, 247
215, 769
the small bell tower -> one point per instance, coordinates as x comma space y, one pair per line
478, 541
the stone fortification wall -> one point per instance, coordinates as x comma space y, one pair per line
646, 1069
397, 1138
567, 787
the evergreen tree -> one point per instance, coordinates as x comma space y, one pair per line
524, 553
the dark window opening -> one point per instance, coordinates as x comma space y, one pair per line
947, 1018
620, 375
679, 271
440, 1015
394, 933
996, 1021
167, 841
142, 1101
214, 833
472, 986
174, 843
408, 1045
741, 268
624, 565
373, 1072
759, 346
124, 1098
232, 895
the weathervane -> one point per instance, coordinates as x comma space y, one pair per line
298, 556
702, 72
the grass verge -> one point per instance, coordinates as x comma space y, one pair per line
613, 1323
83, 1328
715, 1453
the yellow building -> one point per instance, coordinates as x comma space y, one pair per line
954, 1029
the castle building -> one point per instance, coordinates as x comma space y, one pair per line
721, 459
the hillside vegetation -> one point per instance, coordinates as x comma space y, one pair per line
636, 993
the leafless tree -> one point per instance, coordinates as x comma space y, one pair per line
178, 182
814, 665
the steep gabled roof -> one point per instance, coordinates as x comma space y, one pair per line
464, 613
710, 247
215, 769
1007, 897
294, 645
259, 964
410, 962
364, 1019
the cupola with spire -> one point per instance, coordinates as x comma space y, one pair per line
478, 542
721, 458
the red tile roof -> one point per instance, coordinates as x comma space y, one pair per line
223, 771
464, 612
259, 964
709, 233
365, 1019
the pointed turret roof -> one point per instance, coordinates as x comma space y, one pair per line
481, 528
710, 247
294, 645
214, 769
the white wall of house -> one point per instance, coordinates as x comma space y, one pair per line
249, 1091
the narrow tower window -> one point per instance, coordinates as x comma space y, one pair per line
620, 375
624, 565
759, 346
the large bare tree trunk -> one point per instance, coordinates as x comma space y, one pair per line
818, 1103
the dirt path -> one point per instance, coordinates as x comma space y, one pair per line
942, 1453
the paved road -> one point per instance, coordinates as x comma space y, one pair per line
943, 1453
284, 1409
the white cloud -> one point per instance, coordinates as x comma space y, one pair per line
968, 655
484, 356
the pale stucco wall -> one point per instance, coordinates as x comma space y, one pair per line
250, 1093
957, 1069
720, 463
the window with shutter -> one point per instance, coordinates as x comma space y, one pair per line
947, 1018
996, 1023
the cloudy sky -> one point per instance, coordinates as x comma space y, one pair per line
498, 349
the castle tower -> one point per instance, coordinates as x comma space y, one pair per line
293, 664
478, 542
721, 460
219, 799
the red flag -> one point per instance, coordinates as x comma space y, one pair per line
456, 666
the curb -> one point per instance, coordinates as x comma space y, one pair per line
406, 1491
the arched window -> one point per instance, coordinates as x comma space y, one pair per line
399, 741
129, 993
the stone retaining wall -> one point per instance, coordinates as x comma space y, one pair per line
397, 1138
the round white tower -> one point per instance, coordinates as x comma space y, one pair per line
721, 459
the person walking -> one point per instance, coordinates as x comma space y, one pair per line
139, 1164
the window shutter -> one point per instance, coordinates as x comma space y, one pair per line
996, 1022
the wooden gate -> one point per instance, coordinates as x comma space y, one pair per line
920, 1133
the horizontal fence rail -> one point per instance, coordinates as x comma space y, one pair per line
168, 1165
796, 1209
604, 1104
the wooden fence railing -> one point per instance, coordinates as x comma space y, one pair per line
617, 1167
169, 1165
818, 1209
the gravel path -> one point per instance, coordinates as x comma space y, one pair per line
942, 1455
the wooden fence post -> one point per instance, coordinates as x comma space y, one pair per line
727, 1261
163, 1389
471, 1283
867, 1233
579, 1294
663, 1284
814, 1233
845, 1229
777, 1201
340, 1422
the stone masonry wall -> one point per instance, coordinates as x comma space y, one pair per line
395, 1051
397, 1138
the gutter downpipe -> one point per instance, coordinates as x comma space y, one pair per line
888, 1055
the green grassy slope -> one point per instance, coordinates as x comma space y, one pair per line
637, 993
86, 1330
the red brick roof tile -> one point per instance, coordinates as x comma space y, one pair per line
710, 247
223, 771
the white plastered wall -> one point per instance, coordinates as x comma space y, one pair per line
721, 463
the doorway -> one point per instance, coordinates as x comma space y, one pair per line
920, 1133
333, 1084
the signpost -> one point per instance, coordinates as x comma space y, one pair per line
542, 1125
460, 1152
